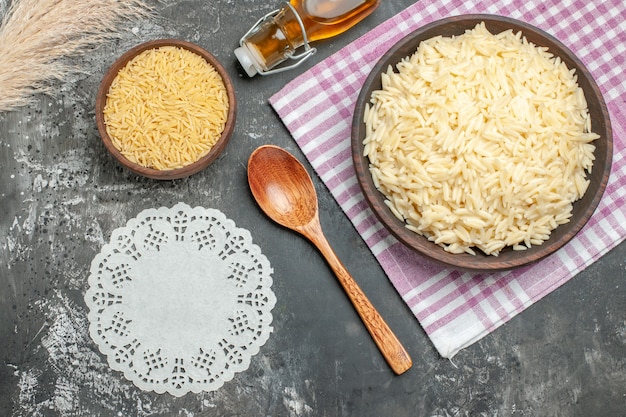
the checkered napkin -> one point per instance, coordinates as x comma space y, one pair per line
456, 308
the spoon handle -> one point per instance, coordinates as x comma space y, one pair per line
387, 342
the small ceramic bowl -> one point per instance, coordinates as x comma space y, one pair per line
508, 258
186, 170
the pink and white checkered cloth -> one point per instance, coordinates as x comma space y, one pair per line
456, 308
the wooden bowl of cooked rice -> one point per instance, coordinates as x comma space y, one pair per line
482, 143
166, 109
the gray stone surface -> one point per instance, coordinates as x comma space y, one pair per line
61, 196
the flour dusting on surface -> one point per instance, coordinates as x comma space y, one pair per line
295, 404
79, 376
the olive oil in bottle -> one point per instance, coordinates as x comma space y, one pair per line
276, 37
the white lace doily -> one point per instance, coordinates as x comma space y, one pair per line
180, 299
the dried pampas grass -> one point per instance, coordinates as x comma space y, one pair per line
37, 36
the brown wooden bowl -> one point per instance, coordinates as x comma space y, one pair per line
184, 171
508, 258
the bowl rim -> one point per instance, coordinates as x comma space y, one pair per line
481, 262
187, 170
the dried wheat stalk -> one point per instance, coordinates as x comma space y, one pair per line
37, 36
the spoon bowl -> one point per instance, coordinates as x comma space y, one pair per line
279, 188
284, 191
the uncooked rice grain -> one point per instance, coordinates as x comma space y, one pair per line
166, 108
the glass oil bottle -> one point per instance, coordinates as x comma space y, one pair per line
276, 37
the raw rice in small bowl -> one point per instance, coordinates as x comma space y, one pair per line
482, 142
166, 109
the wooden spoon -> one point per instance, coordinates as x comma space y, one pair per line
283, 189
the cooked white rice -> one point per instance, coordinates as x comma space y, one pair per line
480, 141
